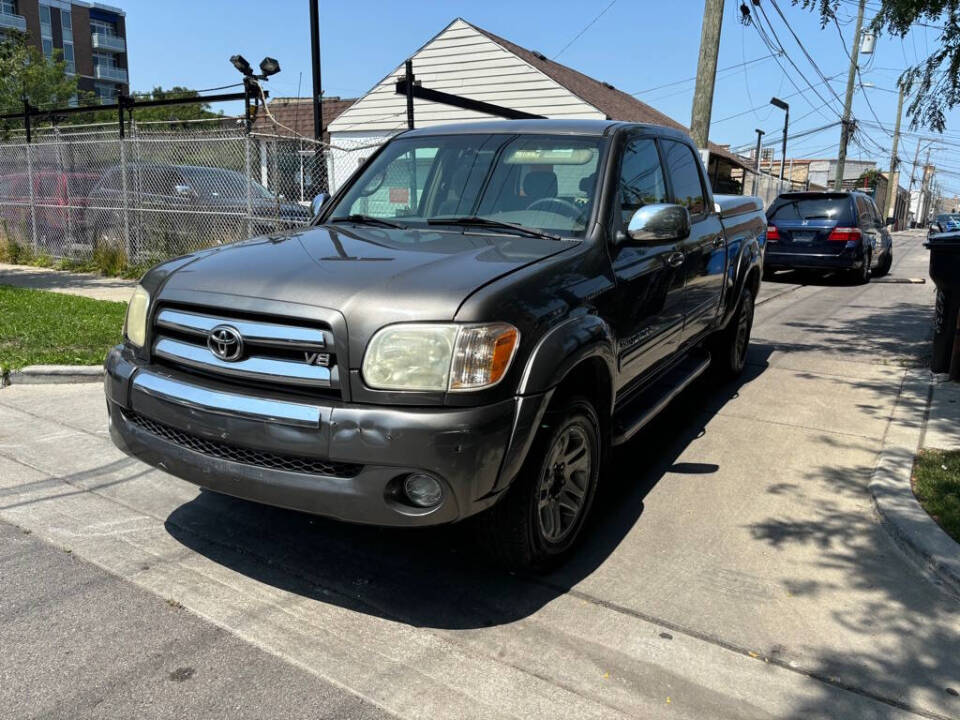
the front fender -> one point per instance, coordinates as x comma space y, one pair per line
564, 347
555, 355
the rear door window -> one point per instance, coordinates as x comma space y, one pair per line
787, 209
684, 171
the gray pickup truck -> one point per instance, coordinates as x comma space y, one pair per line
465, 329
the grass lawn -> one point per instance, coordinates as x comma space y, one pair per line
38, 327
936, 483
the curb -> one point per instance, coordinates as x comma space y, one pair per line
54, 374
899, 511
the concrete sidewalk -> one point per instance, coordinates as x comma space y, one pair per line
88, 285
943, 425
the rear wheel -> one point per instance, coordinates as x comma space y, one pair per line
861, 275
537, 523
729, 348
885, 264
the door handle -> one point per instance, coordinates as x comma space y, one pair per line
675, 259
718, 241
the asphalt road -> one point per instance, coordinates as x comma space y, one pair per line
734, 568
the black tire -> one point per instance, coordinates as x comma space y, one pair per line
861, 275
729, 347
517, 531
884, 268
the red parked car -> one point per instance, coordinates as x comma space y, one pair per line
60, 199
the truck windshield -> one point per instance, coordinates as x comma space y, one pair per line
542, 182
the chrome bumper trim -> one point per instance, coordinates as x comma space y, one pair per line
255, 368
224, 403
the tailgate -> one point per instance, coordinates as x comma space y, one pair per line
808, 237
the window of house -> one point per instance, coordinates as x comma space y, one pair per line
684, 173
66, 22
102, 27
46, 31
105, 92
641, 177
104, 60
8, 7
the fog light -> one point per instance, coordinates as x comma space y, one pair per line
422, 490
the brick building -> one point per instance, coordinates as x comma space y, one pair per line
92, 37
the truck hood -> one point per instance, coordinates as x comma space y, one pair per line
372, 276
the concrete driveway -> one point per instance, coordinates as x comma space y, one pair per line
734, 568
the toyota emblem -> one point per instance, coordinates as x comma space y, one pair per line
225, 342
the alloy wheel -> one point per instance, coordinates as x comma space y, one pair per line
564, 481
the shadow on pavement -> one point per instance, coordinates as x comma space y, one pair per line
912, 629
436, 577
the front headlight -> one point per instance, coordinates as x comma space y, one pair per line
135, 324
439, 357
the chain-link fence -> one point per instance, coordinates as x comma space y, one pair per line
767, 186
161, 191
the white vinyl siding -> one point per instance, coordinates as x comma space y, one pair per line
463, 61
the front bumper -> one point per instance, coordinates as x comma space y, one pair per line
779, 260
326, 457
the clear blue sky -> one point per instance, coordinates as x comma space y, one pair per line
636, 46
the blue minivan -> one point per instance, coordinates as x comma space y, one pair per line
830, 231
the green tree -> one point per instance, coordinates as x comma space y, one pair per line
26, 71
166, 113
933, 85
869, 178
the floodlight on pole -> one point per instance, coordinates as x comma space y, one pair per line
269, 66
241, 64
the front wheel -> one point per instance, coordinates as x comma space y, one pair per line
729, 348
538, 521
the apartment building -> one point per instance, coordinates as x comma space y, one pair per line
91, 35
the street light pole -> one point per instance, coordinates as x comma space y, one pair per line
777, 102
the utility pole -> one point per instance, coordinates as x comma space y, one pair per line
924, 190
706, 72
846, 122
756, 178
891, 199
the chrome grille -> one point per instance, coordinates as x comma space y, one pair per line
247, 456
274, 352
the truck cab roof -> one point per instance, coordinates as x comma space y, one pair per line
540, 126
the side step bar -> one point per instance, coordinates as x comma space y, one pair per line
644, 408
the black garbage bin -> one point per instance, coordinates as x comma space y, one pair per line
945, 271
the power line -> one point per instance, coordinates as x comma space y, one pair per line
758, 107
585, 28
790, 60
691, 79
802, 48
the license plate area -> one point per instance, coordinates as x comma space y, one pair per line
803, 237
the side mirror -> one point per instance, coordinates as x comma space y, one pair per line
318, 202
891, 221
935, 228
659, 223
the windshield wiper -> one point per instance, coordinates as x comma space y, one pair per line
368, 220
488, 223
